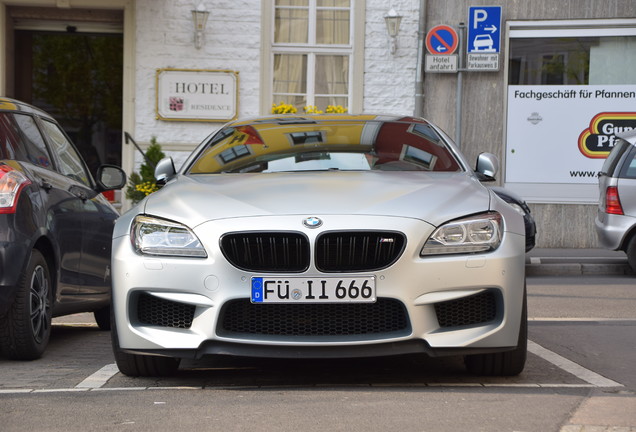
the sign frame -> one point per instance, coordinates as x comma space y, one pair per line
196, 95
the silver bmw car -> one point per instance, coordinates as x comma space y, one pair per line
321, 236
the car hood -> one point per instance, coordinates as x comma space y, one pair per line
432, 197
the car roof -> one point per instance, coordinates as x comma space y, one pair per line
14, 105
629, 136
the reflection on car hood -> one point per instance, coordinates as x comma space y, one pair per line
432, 197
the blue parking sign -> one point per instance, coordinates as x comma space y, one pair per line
484, 29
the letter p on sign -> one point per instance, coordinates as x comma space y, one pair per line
479, 16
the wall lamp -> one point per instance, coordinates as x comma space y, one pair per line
200, 18
392, 20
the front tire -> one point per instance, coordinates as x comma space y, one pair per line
507, 363
26, 328
630, 251
102, 318
135, 365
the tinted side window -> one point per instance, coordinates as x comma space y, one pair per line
20, 139
629, 166
70, 163
609, 166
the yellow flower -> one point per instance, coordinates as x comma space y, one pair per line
312, 109
336, 109
283, 108
147, 187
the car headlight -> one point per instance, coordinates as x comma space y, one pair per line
153, 236
479, 233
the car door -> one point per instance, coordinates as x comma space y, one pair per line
54, 212
92, 215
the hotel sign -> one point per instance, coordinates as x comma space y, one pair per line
196, 95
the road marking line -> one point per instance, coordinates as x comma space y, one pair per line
574, 319
15, 390
96, 381
99, 378
120, 389
61, 390
571, 367
335, 386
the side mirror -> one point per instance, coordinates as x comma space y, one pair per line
487, 166
110, 177
165, 170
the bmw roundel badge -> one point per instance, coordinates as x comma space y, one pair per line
312, 222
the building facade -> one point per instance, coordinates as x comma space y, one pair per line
543, 84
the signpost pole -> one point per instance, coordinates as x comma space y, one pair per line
459, 91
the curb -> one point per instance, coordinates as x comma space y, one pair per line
576, 266
577, 269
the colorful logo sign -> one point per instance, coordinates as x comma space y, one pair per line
597, 141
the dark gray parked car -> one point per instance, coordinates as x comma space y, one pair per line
55, 230
616, 217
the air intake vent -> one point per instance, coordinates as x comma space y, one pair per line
476, 309
156, 311
386, 316
267, 251
358, 250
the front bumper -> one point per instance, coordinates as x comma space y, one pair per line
202, 288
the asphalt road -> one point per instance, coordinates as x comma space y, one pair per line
579, 376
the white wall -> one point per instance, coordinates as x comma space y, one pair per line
165, 39
389, 80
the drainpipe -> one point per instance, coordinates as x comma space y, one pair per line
419, 78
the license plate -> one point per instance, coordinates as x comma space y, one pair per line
313, 290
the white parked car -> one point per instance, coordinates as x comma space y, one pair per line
321, 236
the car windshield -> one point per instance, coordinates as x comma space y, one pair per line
284, 144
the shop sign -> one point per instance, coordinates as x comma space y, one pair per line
560, 135
196, 95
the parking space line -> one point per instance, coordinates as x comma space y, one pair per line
571, 367
579, 320
99, 378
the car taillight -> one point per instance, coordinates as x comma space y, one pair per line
612, 201
11, 183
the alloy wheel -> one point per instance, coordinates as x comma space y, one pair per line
40, 311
